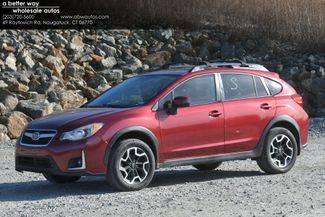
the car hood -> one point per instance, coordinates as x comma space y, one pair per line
60, 119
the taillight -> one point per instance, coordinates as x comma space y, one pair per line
298, 99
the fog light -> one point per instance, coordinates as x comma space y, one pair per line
77, 163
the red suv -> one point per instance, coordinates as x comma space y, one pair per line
198, 116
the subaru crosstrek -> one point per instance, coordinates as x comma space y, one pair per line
177, 116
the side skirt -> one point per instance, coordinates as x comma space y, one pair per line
210, 159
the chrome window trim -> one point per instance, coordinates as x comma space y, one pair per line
196, 76
36, 146
265, 86
240, 73
267, 91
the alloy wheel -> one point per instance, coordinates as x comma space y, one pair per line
134, 165
281, 150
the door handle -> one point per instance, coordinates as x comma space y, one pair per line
214, 113
265, 106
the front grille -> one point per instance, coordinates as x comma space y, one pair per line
37, 137
34, 162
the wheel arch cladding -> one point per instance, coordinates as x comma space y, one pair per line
135, 132
284, 121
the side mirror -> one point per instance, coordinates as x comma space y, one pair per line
172, 106
181, 101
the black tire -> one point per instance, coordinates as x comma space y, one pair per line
116, 178
58, 179
265, 161
210, 166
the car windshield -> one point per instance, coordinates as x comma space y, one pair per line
133, 92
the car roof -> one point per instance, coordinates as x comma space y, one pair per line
236, 66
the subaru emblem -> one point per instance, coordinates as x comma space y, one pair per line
35, 136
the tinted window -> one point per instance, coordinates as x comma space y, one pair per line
199, 90
238, 86
133, 92
274, 87
169, 97
260, 89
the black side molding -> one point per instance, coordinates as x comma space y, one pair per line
277, 119
211, 159
133, 129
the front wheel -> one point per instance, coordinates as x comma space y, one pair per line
279, 152
57, 179
131, 165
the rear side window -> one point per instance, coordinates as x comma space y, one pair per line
200, 90
260, 88
274, 87
238, 86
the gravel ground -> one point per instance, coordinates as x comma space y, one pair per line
238, 188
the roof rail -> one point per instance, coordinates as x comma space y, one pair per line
229, 64
234, 64
176, 66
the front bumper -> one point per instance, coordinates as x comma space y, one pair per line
58, 158
42, 165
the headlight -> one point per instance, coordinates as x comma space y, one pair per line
82, 132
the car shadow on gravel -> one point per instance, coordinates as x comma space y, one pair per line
173, 177
38, 190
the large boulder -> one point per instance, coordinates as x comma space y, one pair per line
75, 70
158, 59
26, 59
10, 62
3, 134
108, 63
59, 40
109, 50
115, 75
8, 99
163, 34
110, 40
97, 80
70, 99
89, 92
15, 123
3, 109
3, 84
132, 65
56, 64
76, 44
35, 108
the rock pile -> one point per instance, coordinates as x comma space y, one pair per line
46, 71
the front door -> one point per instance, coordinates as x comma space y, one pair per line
197, 130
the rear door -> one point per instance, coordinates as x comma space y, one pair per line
248, 108
197, 130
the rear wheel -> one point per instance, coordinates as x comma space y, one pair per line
131, 165
58, 179
279, 152
210, 166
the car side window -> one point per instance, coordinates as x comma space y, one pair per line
260, 88
274, 87
199, 90
238, 86
168, 97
